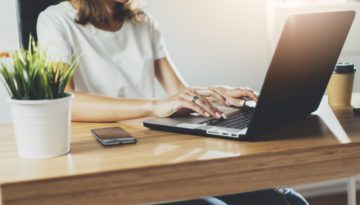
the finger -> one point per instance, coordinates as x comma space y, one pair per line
213, 93
235, 102
191, 93
238, 93
210, 104
209, 108
250, 94
253, 95
204, 103
193, 106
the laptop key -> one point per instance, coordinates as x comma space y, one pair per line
239, 119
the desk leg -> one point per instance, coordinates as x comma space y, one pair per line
351, 189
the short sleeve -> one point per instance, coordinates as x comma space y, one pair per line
157, 40
52, 38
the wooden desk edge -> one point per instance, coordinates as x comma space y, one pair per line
177, 180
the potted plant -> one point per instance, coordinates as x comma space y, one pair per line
41, 110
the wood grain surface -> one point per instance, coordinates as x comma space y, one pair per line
165, 166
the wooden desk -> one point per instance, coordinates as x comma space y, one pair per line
165, 166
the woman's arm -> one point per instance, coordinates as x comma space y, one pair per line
169, 77
172, 82
89, 107
95, 108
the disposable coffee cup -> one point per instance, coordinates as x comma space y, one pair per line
341, 84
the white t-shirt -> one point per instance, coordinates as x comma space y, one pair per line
116, 64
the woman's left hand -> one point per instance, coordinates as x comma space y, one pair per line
228, 96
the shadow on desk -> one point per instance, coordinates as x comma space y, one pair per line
327, 123
310, 127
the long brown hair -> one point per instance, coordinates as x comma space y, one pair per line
94, 12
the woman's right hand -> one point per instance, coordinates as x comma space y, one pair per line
182, 103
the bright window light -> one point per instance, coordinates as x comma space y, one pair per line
316, 1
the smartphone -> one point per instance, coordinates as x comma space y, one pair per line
357, 111
113, 136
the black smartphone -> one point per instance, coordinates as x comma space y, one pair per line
113, 136
357, 111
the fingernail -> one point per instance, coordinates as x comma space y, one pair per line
224, 116
218, 115
228, 103
207, 114
242, 103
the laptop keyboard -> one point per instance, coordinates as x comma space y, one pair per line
239, 119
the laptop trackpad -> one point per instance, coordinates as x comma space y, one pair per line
189, 126
228, 132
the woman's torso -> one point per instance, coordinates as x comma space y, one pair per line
117, 64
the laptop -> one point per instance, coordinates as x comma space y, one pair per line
295, 83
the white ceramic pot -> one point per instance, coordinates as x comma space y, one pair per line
42, 127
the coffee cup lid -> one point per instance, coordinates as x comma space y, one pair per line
345, 68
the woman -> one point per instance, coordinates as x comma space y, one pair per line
121, 53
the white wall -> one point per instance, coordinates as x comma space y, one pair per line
215, 42
8, 40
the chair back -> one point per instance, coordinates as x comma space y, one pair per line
28, 13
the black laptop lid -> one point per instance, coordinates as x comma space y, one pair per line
302, 65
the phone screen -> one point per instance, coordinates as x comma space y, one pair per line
113, 136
